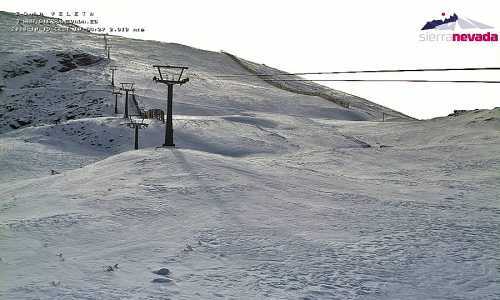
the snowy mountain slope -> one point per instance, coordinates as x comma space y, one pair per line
78, 142
49, 82
365, 108
470, 128
268, 194
379, 223
204, 92
39, 88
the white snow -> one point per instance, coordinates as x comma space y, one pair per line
268, 194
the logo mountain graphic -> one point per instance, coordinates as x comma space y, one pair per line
455, 22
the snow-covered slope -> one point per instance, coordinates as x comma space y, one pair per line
371, 111
66, 71
268, 194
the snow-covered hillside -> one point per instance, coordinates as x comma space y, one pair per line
268, 194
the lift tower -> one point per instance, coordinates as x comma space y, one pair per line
113, 69
116, 93
127, 87
136, 125
164, 71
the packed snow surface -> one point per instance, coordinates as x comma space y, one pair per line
268, 193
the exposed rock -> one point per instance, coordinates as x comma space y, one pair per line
23, 122
162, 271
69, 61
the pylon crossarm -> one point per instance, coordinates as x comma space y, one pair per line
170, 67
176, 78
127, 86
181, 82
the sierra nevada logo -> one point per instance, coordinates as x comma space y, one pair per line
469, 30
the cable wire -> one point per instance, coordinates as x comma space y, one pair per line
364, 71
387, 80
